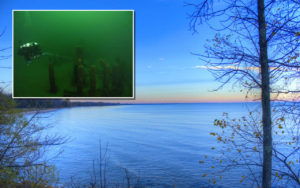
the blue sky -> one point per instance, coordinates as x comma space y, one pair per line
165, 67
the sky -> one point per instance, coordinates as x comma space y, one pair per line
166, 71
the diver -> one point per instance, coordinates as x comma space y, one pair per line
30, 51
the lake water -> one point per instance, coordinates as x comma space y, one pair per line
159, 143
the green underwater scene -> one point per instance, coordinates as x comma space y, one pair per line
73, 54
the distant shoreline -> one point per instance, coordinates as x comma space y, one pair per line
162, 103
28, 110
38, 110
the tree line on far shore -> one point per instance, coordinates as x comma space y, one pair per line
52, 103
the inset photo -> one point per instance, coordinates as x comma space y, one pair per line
73, 54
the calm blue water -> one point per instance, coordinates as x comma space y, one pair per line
161, 143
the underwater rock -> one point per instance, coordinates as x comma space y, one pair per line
92, 81
118, 78
80, 80
104, 77
78, 61
79, 52
53, 88
75, 73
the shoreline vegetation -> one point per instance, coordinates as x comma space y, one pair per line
55, 103
27, 105
51, 108
51, 105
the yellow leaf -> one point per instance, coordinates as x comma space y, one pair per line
201, 162
240, 151
276, 173
255, 149
204, 175
282, 119
279, 126
212, 167
214, 134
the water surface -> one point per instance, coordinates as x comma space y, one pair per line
160, 143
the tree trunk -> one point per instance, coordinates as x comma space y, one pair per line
265, 94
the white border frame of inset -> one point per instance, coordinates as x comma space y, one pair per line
102, 98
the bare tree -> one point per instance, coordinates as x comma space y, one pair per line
257, 49
3, 51
242, 143
23, 143
4, 55
129, 180
103, 161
